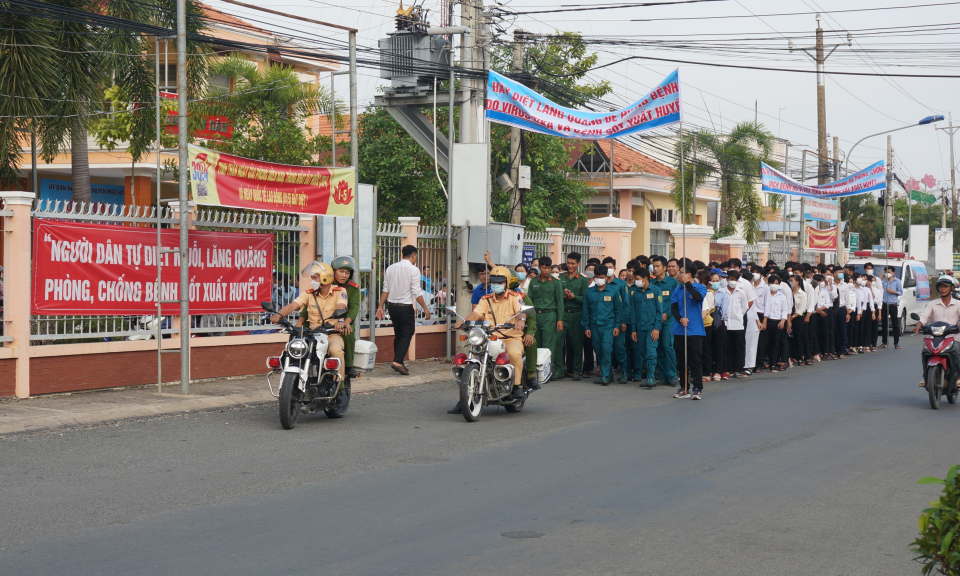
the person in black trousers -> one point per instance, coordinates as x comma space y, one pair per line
401, 292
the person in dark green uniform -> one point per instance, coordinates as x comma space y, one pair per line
666, 357
546, 293
622, 363
602, 317
343, 268
646, 324
574, 287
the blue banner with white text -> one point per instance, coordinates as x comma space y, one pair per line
870, 179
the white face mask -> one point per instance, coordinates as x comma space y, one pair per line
600, 281
889, 274
774, 288
609, 271
639, 284
861, 282
556, 275
732, 283
315, 285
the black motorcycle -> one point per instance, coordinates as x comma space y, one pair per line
310, 380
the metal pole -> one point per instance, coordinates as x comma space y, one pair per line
33, 160
333, 124
448, 273
184, 207
888, 202
693, 207
821, 109
354, 147
836, 173
159, 279
610, 188
786, 170
373, 294
953, 174
683, 233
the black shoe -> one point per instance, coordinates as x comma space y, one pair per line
560, 377
455, 409
532, 382
576, 378
603, 382
352, 372
517, 391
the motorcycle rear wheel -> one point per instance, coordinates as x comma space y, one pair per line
289, 400
935, 385
338, 407
471, 400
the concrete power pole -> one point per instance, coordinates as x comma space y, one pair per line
888, 197
953, 170
515, 136
818, 56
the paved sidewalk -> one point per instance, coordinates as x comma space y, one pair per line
80, 409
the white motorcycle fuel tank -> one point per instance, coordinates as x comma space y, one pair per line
495, 347
322, 346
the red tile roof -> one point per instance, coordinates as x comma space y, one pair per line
226, 19
625, 158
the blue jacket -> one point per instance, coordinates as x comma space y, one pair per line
693, 308
601, 307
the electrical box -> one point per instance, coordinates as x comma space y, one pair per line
505, 242
524, 177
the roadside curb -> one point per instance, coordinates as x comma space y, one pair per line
45, 419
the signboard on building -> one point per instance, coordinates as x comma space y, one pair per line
101, 269
818, 210
529, 253
854, 240
62, 190
820, 240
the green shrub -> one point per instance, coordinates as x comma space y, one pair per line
937, 547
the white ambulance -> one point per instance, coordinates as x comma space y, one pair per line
911, 273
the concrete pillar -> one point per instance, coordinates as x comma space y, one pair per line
16, 258
697, 242
309, 251
408, 226
764, 252
626, 205
736, 245
616, 233
556, 246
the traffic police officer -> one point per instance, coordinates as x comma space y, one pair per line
546, 293
647, 323
343, 269
665, 284
602, 316
574, 287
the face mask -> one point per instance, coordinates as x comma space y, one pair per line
732, 283
651, 268
839, 275
498, 288
315, 285
869, 271
610, 272
793, 285
638, 283
715, 286
774, 288
889, 274
535, 271
588, 273
556, 275
600, 281
861, 282
521, 276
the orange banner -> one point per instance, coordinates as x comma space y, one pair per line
820, 240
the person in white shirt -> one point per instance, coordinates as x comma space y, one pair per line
775, 321
824, 303
843, 292
737, 264
863, 310
830, 287
737, 307
785, 333
752, 328
401, 289
876, 298
763, 292
810, 319
798, 348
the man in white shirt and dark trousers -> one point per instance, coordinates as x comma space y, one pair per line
401, 290
733, 318
774, 322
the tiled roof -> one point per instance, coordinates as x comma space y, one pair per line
625, 158
228, 20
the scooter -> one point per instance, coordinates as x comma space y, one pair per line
939, 353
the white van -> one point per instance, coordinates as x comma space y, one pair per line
912, 274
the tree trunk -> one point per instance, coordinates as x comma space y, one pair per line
725, 215
80, 168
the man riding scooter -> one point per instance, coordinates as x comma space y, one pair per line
945, 309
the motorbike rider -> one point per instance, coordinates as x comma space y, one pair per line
320, 302
945, 309
343, 269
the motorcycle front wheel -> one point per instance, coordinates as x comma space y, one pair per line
338, 407
934, 385
471, 399
289, 400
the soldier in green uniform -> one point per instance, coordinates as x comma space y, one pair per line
343, 268
574, 287
622, 362
546, 293
666, 357
602, 316
647, 323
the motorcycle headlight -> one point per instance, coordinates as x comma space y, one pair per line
937, 330
297, 348
476, 336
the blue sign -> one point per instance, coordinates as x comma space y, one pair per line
529, 253
62, 190
512, 103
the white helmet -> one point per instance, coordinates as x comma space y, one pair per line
944, 279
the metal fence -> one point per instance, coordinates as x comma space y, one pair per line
587, 246
388, 250
75, 328
752, 253
542, 242
432, 251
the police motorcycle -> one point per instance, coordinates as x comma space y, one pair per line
939, 356
309, 380
485, 375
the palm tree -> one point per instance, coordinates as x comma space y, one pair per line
735, 159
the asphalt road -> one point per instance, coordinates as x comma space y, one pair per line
808, 472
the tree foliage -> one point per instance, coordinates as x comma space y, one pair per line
938, 546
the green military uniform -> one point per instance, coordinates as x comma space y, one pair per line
647, 316
531, 329
572, 335
602, 313
666, 357
547, 298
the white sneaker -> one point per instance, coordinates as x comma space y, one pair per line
696, 394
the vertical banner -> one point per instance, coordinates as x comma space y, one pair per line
943, 249
220, 179
820, 240
512, 103
366, 224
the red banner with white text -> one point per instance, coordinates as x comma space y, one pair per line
820, 240
101, 269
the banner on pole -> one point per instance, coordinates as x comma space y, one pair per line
220, 179
869, 179
512, 103
103, 269
820, 240
820, 211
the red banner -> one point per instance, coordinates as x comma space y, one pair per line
102, 269
820, 240
220, 179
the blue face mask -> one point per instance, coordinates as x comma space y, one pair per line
498, 288
840, 275
521, 276
715, 286
535, 271
651, 268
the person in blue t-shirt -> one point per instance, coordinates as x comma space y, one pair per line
482, 288
686, 305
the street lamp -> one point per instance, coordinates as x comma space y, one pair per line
887, 205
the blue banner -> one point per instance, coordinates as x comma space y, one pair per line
869, 179
62, 190
514, 104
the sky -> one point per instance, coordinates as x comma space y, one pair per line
884, 41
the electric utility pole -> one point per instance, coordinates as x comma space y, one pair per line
515, 137
823, 171
953, 169
888, 197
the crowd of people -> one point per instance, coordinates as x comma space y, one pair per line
678, 322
